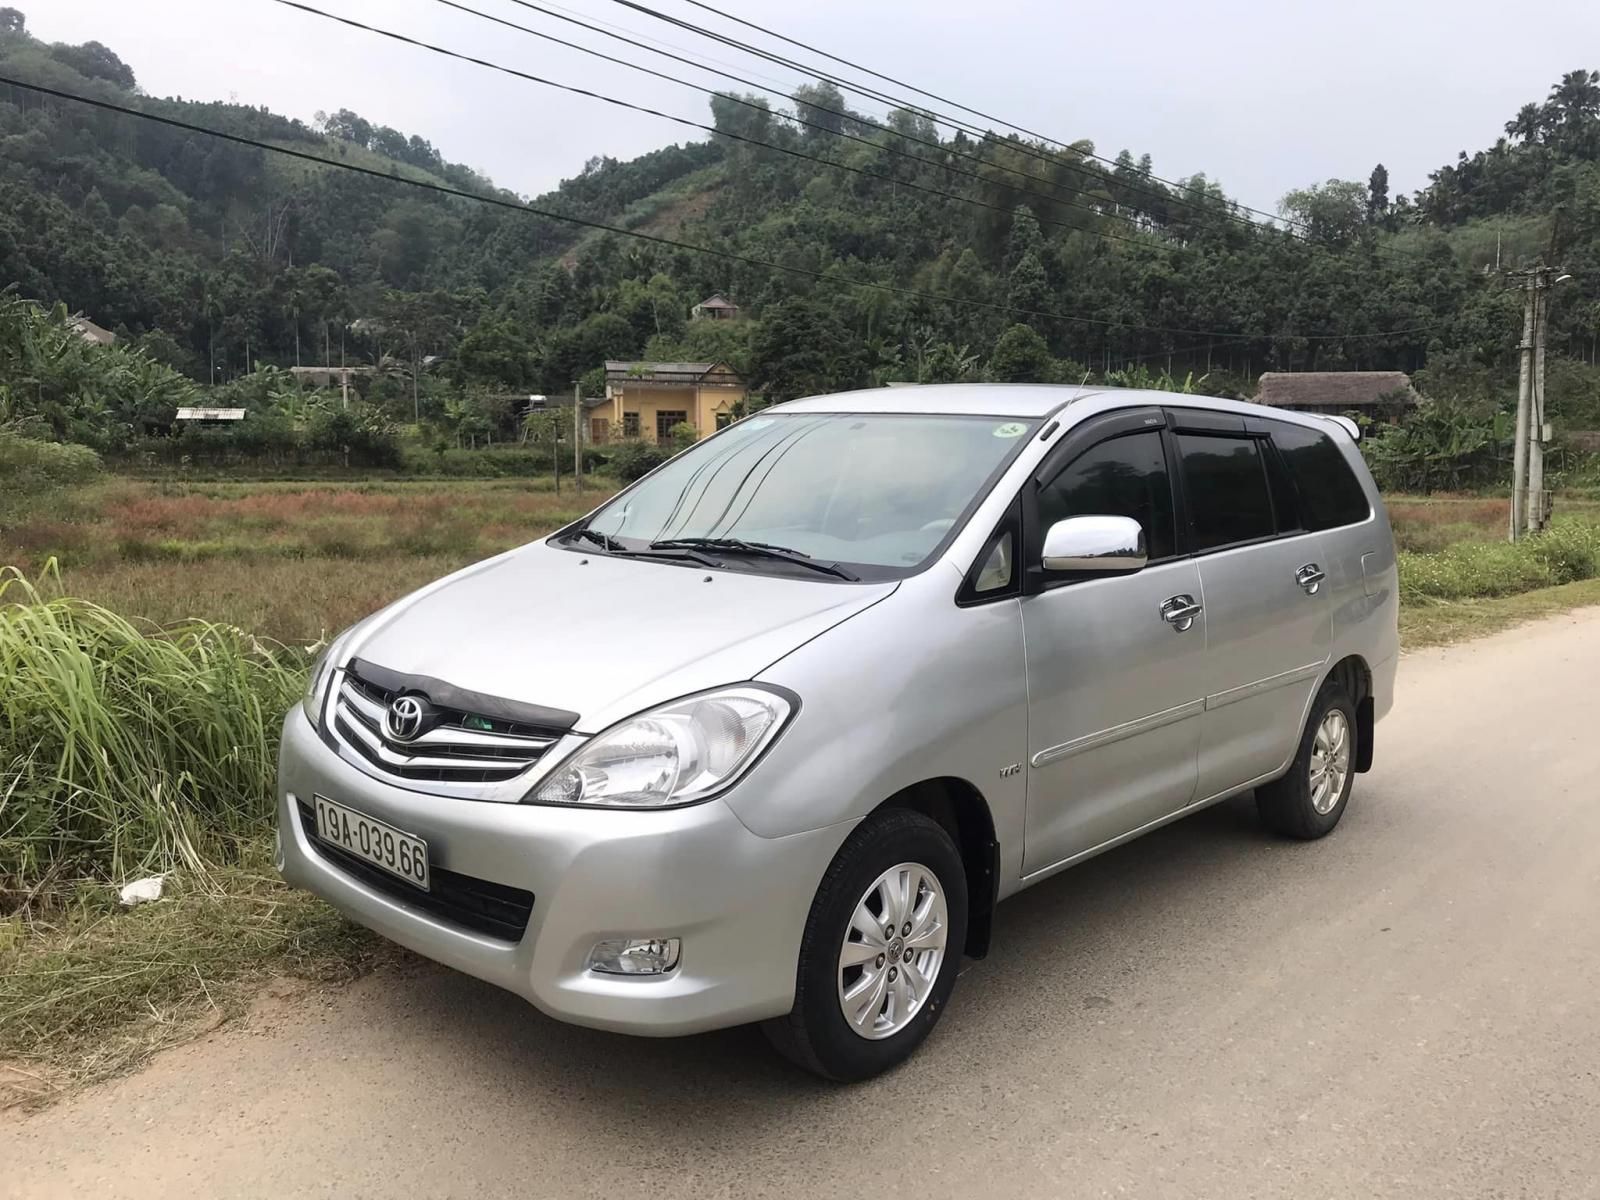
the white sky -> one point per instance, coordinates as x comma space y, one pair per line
1263, 96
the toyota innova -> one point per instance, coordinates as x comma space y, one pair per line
770, 734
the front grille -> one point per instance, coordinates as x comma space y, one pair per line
492, 909
458, 747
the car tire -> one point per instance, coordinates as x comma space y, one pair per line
1309, 799
893, 851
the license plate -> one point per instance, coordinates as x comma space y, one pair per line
403, 855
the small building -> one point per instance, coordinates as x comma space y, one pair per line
90, 332
1381, 395
715, 307
523, 405
209, 416
649, 399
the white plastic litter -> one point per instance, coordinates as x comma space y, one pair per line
142, 891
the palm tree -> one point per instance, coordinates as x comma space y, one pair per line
1575, 105
1526, 125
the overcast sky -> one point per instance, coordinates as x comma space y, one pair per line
1263, 96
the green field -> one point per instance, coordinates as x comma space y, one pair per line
292, 562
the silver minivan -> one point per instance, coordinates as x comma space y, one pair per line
770, 734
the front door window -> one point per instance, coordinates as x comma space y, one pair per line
666, 420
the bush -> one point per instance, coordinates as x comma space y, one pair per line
635, 460
125, 749
1567, 552
29, 466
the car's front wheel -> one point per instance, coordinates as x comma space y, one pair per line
881, 949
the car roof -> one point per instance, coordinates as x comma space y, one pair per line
1031, 401
954, 399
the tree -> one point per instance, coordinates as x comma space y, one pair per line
1574, 108
12, 21
497, 351
803, 347
1331, 213
1378, 195
1025, 237
1021, 356
820, 104
95, 61
1527, 124
1027, 289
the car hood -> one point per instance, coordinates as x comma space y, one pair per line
602, 636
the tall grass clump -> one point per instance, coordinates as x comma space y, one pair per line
1565, 553
126, 749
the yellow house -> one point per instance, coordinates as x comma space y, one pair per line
647, 399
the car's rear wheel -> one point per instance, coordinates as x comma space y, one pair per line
1311, 797
881, 948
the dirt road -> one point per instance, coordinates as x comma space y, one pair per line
1408, 1008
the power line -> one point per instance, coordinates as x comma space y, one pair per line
802, 122
937, 118
838, 133
712, 129
857, 118
1227, 210
671, 243
952, 103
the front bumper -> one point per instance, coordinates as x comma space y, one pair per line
738, 901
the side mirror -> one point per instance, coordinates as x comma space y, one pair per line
1095, 544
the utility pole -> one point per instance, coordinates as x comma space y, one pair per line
1537, 433
1519, 449
1530, 502
577, 436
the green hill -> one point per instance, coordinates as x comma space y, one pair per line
215, 257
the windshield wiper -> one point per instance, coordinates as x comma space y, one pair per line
730, 545
668, 553
604, 540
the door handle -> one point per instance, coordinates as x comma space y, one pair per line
1180, 612
1310, 577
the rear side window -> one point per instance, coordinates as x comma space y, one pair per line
1330, 493
1225, 483
1123, 477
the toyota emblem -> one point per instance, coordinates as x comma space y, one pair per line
405, 718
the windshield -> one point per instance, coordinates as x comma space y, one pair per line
877, 492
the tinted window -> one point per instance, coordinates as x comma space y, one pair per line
1225, 483
1123, 477
1330, 493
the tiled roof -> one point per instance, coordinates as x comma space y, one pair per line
1337, 390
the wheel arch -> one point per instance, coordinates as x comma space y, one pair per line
964, 813
1354, 676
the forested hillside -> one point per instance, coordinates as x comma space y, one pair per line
216, 258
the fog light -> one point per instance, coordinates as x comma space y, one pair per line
634, 956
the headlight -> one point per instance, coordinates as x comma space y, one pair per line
676, 754
317, 682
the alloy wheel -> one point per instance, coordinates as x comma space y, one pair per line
894, 947
1330, 761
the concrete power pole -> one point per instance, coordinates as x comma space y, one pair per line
1530, 502
1536, 428
1519, 448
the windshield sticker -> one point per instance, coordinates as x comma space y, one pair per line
1011, 429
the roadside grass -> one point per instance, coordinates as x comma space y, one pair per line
89, 990
1442, 622
127, 750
